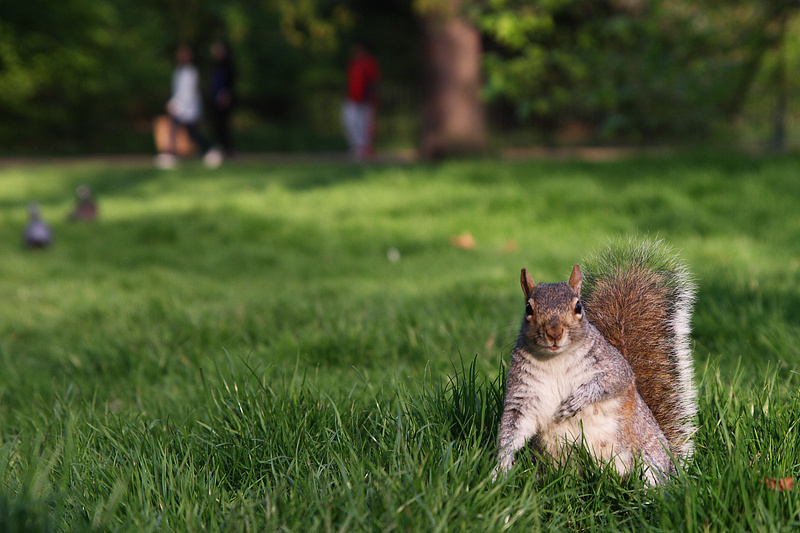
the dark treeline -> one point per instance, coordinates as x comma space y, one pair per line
90, 75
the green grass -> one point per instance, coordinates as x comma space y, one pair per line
232, 350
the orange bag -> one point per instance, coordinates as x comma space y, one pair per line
161, 132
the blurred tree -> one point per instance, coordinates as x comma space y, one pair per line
66, 66
80, 74
781, 89
631, 68
454, 117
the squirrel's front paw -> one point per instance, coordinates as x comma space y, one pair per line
568, 408
502, 468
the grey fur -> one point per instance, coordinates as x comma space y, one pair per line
568, 385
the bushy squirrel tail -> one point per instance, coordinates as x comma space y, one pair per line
639, 295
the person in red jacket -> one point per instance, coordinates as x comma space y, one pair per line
360, 108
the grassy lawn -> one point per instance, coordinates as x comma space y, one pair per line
234, 350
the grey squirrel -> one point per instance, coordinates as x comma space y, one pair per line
605, 360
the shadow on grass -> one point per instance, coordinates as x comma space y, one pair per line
138, 181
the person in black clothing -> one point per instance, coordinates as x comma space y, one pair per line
223, 78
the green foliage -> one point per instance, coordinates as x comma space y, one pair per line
628, 67
83, 76
67, 67
232, 350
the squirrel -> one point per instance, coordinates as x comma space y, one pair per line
611, 369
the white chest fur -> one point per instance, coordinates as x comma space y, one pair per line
550, 382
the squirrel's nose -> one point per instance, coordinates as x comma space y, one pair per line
554, 332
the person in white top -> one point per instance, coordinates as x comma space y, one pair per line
185, 108
185, 105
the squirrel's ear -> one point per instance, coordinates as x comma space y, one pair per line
576, 279
526, 281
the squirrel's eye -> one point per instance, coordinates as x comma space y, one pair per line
578, 308
528, 309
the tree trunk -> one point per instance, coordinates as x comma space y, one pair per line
454, 117
781, 91
765, 37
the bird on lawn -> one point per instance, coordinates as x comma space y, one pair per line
86, 206
37, 233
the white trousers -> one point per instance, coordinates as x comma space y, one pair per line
357, 122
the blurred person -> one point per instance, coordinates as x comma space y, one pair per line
359, 111
185, 110
223, 78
